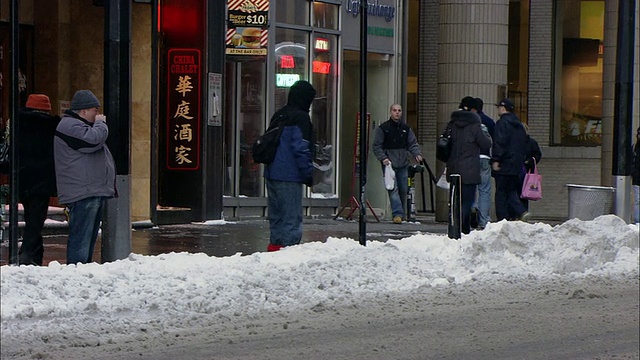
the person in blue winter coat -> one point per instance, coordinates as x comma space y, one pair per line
291, 168
507, 156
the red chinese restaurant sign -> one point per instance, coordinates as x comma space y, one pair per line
183, 109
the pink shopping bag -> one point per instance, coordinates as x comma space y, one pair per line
532, 185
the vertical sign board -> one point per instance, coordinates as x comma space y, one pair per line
214, 116
183, 109
247, 27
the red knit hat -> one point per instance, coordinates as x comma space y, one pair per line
39, 102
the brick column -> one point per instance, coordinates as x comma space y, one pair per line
472, 60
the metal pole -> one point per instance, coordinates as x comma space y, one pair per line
363, 122
14, 94
623, 108
116, 235
153, 196
454, 230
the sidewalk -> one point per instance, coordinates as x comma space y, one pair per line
231, 237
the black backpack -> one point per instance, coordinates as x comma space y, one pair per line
265, 147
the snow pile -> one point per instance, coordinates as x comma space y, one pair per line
334, 273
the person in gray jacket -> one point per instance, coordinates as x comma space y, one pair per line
85, 172
393, 139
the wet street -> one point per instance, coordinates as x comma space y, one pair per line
244, 236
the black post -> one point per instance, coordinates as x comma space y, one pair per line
363, 123
213, 176
455, 207
153, 196
623, 107
116, 234
14, 93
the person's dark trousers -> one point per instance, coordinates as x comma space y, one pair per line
84, 223
525, 202
285, 212
507, 197
468, 195
35, 214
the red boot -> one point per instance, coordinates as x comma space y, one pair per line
272, 247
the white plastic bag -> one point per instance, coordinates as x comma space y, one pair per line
442, 182
389, 177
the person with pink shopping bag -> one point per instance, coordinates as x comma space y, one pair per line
532, 184
533, 157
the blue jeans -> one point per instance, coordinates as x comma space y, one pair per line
285, 212
398, 196
636, 204
483, 204
468, 193
84, 223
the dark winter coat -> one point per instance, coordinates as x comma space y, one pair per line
36, 171
392, 140
467, 142
490, 124
532, 151
509, 145
294, 157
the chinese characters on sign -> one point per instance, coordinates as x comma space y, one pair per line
247, 22
183, 101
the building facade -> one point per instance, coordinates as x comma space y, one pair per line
558, 67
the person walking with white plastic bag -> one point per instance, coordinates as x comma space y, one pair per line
392, 140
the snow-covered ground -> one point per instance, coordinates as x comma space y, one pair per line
57, 311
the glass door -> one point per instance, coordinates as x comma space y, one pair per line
245, 87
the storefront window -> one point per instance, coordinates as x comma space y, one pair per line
292, 12
579, 67
324, 79
325, 15
290, 62
250, 115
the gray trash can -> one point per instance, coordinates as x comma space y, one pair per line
589, 202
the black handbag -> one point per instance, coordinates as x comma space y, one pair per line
443, 145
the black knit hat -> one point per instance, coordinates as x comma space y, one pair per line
467, 103
84, 99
